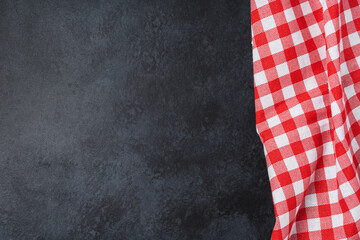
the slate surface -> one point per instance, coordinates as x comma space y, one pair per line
129, 120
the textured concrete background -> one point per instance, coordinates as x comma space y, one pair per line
129, 120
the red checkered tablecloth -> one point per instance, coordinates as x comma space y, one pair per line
306, 62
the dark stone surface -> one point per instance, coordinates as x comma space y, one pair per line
129, 120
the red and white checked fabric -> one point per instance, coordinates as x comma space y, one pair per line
306, 62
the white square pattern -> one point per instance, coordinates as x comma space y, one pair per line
315, 30
289, 15
340, 132
260, 78
313, 224
291, 163
296, 111
344, 69
346, 189
337, 220
255, 55
328, 148
284, 219
297, 38
282, 69
354, 38
348, 16
334, 52
318, 102
271, 172
304, 132
310, 83
311, 155
298, 187
329, 28
356, 113
272, 122
358, 60
304, 60
306, 8
288, 92
281, 140
322, 52
330, 172
355, 212
260, 3
268, 23
324, 124
276, 46
278, 195
310, 200
267, 101
333, 197
350, 91
335, 110
355, 145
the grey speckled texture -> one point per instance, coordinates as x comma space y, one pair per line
129, 120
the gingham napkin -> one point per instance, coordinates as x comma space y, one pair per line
306, 62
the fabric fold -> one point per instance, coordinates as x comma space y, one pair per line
306, 57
